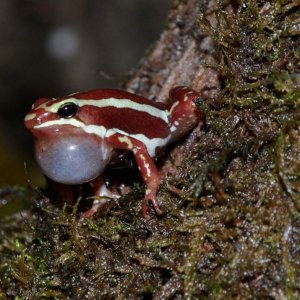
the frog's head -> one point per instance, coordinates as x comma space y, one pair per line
66, 148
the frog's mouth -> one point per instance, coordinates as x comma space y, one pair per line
72, 159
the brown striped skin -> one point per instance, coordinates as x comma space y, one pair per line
125, 119
112, 119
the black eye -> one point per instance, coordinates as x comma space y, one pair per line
67, 110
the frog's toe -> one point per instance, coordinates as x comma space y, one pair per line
97, 204
145, 207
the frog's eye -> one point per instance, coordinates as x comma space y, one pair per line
68, 110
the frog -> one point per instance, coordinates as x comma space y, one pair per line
79, 135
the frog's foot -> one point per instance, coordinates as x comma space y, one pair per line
102, 196
145, 206
97, 204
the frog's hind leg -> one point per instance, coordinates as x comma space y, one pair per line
183, 113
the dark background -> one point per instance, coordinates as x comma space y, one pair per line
56, 47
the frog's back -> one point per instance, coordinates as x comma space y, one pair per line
124, 112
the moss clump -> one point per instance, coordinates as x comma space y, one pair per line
231, 223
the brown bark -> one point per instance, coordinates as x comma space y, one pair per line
178, 58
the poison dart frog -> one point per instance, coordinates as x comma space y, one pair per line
78, 136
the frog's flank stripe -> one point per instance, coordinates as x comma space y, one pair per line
72, 122
150, 143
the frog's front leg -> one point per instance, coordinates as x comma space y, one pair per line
146, 167
102, 196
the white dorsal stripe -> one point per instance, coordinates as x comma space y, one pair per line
107, 102
102, 132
